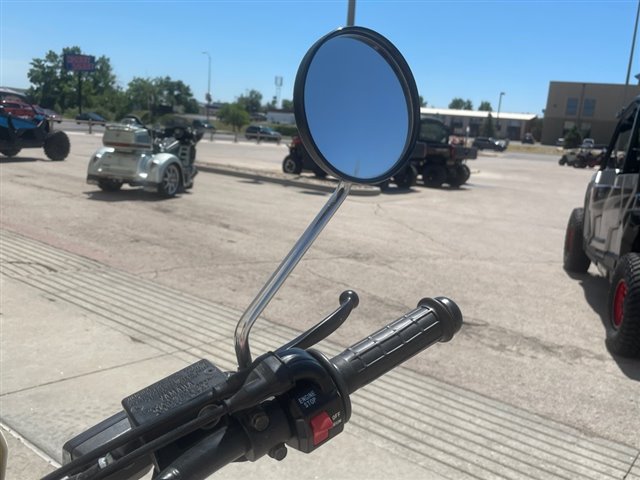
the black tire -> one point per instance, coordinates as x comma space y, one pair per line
458, 175
406, 178
57, 146
563, 160
11, 152
171, 181
623, 326
320, 173
433, 176
383, 186
464, 172
291, 165
574, 258
108, 185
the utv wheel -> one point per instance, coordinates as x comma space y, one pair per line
384, 186
319, 173
464, 173
291, 165
623, 328
406, 178
458, 175
11, 152
574, 258
108, 185
170, 183
433, 176
57, 146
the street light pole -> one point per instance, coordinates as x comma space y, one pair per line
499, 105
208, 85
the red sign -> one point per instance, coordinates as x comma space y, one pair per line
79, 63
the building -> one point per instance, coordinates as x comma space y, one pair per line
281, 117
506, 125
590, 107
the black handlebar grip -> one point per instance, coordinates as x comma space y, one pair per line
434, 320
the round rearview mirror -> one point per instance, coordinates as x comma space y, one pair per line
356, 106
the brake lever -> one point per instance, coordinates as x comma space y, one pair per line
348, 301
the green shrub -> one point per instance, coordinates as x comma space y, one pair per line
286, 130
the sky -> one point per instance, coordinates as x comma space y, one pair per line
468, 49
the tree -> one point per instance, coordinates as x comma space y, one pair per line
460, 104
423, 102
174, 94
54, 87
160, 95
272, 105
572, 138
141, 94
485, 106
235, 115
251, 102
287, 105
487, 127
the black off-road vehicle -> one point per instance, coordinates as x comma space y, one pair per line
606, 232
437, 158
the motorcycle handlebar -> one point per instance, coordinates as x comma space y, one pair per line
432, 321
249, 434
435, 319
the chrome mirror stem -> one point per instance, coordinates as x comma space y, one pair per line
243, 352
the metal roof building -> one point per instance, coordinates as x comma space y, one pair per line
507, 124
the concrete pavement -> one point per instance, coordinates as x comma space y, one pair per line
77, 336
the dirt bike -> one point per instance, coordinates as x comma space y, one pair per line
195, 421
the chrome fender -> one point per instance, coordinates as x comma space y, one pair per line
159, 164
95, 162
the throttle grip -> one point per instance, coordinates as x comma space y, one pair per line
434, 320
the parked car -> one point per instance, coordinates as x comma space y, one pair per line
528, 138
605, 231
91, 117
560, 142
489, 143
261, 132
588, 143
203, 125
17, 108
50, 114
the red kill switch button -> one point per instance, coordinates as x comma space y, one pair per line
320, 425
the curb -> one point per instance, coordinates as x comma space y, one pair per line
294, 181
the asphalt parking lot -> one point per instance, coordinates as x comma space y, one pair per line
533, 338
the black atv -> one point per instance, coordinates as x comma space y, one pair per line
299, 160
606, 232
21, 126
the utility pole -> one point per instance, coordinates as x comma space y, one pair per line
351, 13
208, 97
499, 105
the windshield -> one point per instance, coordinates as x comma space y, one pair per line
433, 131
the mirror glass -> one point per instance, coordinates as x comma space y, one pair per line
359, 114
